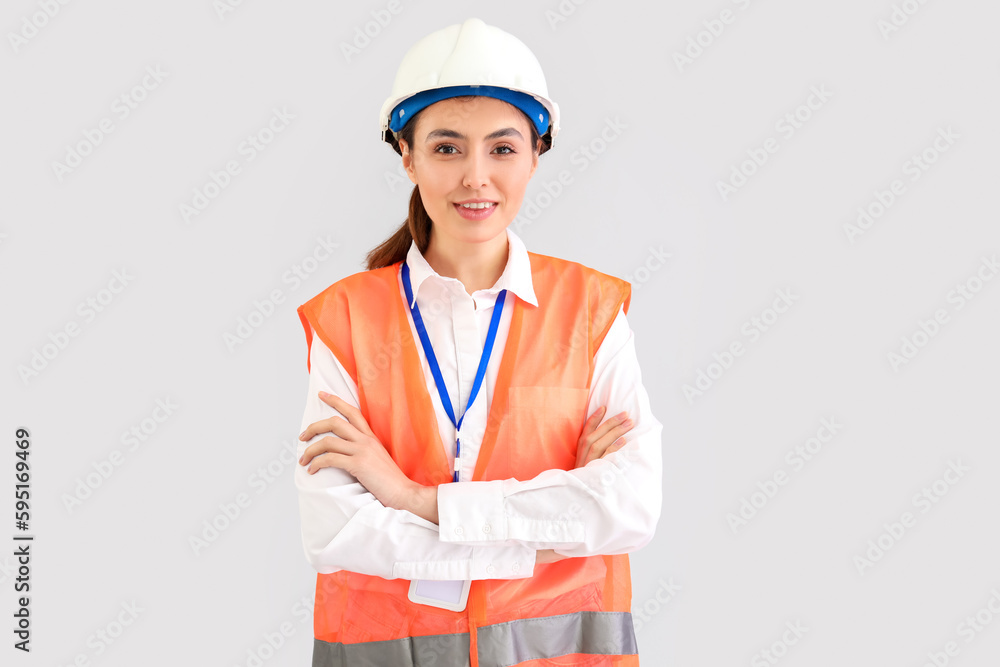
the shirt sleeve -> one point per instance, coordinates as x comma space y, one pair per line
344, 527
609, 506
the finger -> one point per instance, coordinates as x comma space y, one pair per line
336, 425
583, 444
586, 436
611, 449
594, 419
351, 413
582, 453
328, 460
615, 422
619, 443
600, 448
327, 444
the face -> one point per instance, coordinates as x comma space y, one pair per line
470, 150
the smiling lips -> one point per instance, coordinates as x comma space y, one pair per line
475, 210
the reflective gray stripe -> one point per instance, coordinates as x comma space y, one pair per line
429, 651
592, 632
500, 644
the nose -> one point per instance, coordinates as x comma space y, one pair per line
476, 171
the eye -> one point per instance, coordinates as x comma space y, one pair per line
506, 150
437, 149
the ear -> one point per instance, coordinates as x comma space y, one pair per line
534, 163
408, 161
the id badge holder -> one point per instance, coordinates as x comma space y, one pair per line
450, 595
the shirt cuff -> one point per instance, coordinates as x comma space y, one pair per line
515, 561
472, 512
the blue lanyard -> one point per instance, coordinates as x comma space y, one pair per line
436, 370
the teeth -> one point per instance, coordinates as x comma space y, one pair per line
479, 205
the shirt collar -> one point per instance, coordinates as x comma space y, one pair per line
516, 276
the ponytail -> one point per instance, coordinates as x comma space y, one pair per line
417, 227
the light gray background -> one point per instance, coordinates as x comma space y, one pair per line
653, 188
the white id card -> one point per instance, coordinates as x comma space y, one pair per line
445, 594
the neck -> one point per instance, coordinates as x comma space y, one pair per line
476, 265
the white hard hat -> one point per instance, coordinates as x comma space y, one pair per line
469, 59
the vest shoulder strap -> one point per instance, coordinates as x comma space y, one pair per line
605, 294
364, 295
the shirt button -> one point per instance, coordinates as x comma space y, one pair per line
459, 530
515, 566
490, 569
487, 528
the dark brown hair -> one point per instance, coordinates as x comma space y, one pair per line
417, 226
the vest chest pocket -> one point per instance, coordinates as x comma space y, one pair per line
542, 429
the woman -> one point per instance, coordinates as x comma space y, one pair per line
460, 506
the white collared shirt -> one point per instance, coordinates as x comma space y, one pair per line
488, 529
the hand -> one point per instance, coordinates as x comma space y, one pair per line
353, 447
596, 442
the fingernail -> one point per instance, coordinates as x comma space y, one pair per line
628, 422
323, 394
301, 434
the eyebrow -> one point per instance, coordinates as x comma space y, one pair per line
452, 134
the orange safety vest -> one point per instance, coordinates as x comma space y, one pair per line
576, 611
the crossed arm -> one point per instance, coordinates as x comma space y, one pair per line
352, 493
355, 449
